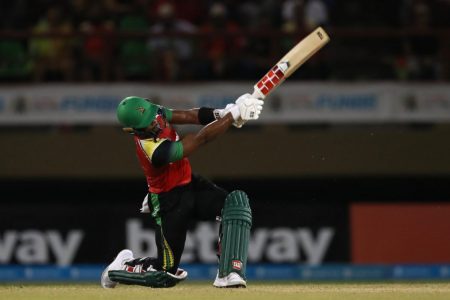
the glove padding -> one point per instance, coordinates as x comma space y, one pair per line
230, 108
250, 107
245, 108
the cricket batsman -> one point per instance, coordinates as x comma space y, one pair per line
177, 196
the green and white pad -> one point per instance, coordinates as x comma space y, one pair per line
236, 224
155, 279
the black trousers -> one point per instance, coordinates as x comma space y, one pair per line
173, 212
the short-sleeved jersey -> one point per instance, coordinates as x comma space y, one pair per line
163, 162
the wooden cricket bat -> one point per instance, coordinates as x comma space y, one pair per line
291, 62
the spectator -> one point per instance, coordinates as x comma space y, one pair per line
257, 17
193, 11
292, 13
78, 12
133, 55
316, 14
249, 12
118, 8
416, 14
97, 45
221, 51
220, 44
170, 52
411, 66
421, 15
52, 55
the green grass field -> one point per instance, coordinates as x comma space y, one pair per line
255, 291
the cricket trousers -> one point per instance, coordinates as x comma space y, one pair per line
174, 211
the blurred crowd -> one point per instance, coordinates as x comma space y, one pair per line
114, 40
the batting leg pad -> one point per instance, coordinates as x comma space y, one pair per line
235, 235
154, 279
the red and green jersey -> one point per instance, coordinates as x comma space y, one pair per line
163, 162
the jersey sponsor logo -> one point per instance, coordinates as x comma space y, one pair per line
236, 264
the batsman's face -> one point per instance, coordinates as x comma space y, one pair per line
160, 121
158, 125
154, 129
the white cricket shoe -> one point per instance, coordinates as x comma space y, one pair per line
117, 264
231, 280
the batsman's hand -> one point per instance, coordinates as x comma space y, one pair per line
219, 113
230, 108
245, 108
250, 107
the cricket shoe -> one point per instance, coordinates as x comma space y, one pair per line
117, 264
232, 280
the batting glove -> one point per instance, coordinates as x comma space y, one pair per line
250, 107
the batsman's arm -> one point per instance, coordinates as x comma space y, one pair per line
164, 151
202, 116
185, 116
192, 142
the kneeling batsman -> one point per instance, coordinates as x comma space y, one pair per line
236, 221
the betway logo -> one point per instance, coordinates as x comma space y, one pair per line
35, 247
276, 244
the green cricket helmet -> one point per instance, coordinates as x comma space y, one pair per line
136, 112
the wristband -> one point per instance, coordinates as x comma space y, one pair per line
206, 115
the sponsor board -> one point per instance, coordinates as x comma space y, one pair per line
68, 233
277, 245
39, 247
292, 103
400, 233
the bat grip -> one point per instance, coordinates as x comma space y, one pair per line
257, 94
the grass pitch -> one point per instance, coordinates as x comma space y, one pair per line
255, 291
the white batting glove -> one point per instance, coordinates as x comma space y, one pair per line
230, 108
240, 122
250, 107
219, 113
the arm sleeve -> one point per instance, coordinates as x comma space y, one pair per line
168, 114
167, 152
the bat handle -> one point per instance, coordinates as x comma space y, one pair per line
257, 94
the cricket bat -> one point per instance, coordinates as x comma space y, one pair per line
296, 57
